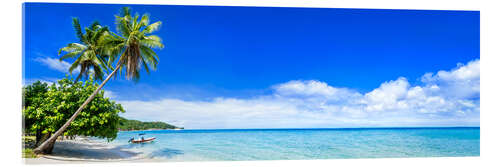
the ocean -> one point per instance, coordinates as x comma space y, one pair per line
302, 144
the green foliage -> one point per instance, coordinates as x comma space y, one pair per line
49, 107
126, 124
34, 96
28, 153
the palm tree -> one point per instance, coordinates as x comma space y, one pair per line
88, 52
135, 44
135, 49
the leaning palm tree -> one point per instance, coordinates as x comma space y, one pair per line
88, 52
132, 49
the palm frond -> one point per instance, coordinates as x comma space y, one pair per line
135, 24
78, 29
122, 26
95, 25
98, 34
145, 64
101, 61
72, 47
98, 73
136, 76
70, 55
88, 35
74, 65
152, 41
149, 56
152, 27
144, 20
125, 11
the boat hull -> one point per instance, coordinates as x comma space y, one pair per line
144, 141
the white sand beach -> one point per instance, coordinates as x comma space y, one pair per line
85, 150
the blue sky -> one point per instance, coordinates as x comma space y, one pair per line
236, 58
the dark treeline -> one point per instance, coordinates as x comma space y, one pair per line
126, 124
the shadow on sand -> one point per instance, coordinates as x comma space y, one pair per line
91, 151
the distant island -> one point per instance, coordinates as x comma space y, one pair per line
128, 125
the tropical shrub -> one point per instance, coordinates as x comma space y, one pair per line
46, 108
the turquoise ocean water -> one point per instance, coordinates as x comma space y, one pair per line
283, 144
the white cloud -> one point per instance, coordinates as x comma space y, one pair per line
388, 96
462, 73
447, 98
308, 88
462, 82
55, 64
109, 94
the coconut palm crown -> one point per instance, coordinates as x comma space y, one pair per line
88, 52
134, 45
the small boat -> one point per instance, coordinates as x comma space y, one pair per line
142, 140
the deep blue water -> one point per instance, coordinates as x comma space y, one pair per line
282, 144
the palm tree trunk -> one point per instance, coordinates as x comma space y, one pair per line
46, 146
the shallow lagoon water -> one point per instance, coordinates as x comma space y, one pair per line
283, 144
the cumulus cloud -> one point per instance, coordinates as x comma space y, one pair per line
462, 82
308, 88
55, 64
445, 98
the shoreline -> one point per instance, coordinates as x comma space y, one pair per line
146, 130
86, 150
335, 128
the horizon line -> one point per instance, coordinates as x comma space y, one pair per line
388, 127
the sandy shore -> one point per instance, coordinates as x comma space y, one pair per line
84, 150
